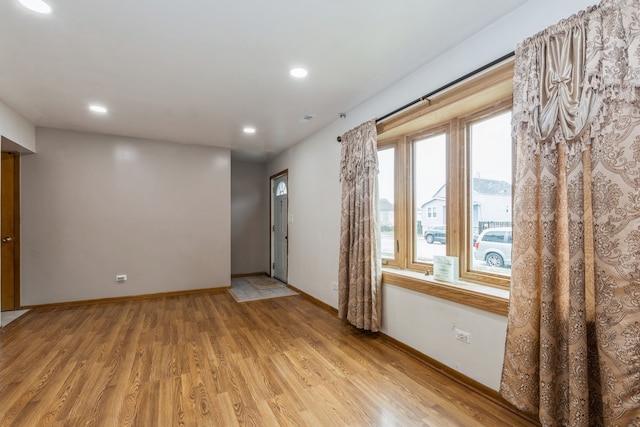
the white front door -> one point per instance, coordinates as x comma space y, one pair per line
280, 228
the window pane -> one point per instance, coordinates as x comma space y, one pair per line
386, 182
282, 189
490, 214
430, 197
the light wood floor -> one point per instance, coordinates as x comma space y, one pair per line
206, 360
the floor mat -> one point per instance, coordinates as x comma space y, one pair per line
243, 288
264, 282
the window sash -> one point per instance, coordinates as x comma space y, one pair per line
467, 270
413, 240
393, 257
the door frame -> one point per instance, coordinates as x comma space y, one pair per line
16, 224
272, 192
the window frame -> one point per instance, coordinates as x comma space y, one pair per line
398, 199
483, 96
466, 259
410, 167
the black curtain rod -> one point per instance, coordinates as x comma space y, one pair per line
447, 86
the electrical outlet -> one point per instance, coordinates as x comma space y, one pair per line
462, 335
121, 278
334, 286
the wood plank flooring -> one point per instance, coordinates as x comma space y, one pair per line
205, 360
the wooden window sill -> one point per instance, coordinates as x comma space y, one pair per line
475, 295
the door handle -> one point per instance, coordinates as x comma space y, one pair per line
7, 239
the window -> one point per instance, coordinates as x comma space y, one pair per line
282, 189
429, 178
447, 166
386, 180
489, 138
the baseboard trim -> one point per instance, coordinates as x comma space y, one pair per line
129, 298
472, 385
258, 273
315, 300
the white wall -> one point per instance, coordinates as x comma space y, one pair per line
421, 321
17, 129
426, 324
249, 217
94, 206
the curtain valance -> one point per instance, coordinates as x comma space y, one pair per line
563, 73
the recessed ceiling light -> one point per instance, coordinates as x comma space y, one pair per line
298, 72
98, 109
36, 5
249, 129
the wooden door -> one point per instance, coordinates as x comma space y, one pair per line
9, 231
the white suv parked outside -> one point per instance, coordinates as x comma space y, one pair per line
494, 246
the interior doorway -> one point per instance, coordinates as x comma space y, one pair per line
10, 231
279, 225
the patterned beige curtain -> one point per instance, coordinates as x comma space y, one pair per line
573, 337
360, 275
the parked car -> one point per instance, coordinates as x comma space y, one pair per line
493, 246
436, 233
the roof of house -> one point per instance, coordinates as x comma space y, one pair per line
385, 205
490, 187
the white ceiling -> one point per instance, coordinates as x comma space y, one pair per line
197, 71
